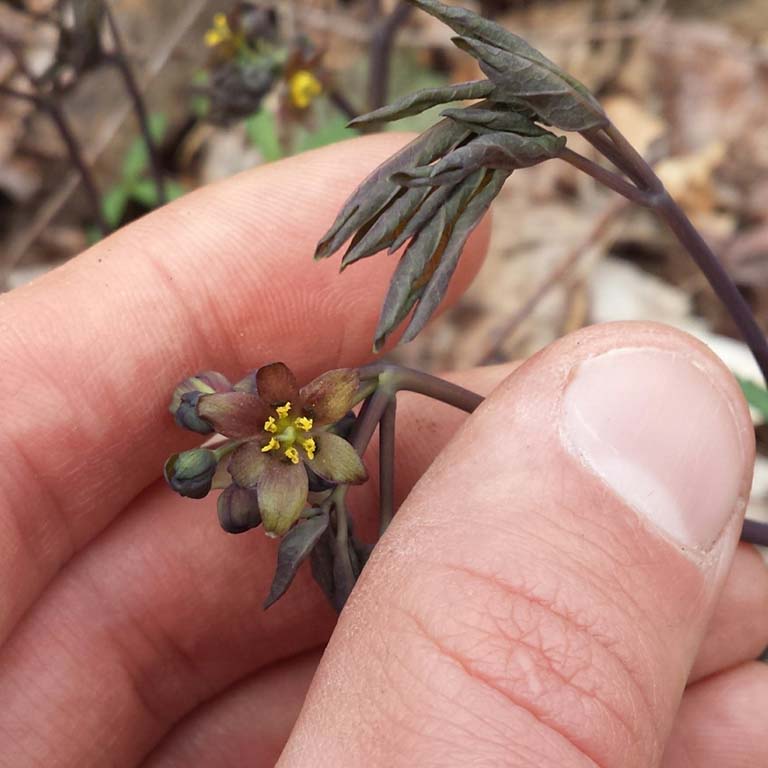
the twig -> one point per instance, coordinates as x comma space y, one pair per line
629, 160
340, 101
382, 42
52, 205
13, 93
119, 58
59, 118
48, 103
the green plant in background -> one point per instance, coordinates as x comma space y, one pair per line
756, 396
136, 184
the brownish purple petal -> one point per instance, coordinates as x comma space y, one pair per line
282, 491
336, 460
328, 397
277, 385
248, 464
247, 384
238, 509
234, 414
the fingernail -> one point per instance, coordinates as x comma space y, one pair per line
659, 432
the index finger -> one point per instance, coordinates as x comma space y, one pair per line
222, 279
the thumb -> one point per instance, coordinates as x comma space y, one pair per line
541, 595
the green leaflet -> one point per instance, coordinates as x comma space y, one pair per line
423, 100
467, 221
493, 117
420, 218
421, 258
377, 190
520, 70
382, 232
556, 98
501, 151
470, 24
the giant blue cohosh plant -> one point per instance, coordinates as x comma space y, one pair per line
292, 452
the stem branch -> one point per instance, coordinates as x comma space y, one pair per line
119, 59
608, 178
614, 145
387, 466
382, 40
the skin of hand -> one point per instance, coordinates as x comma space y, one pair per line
562, 587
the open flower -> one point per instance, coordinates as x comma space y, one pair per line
303, 88
279, 434
304, 80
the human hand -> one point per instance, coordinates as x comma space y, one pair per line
517, 612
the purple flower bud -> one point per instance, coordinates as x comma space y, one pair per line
191, 473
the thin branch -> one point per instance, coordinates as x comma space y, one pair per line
54, 110
628, 159
45, 212
6, 90
119, 58
340, 101
382, 42
59, 118
755, 532
369, 419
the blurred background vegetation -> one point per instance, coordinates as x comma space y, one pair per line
106, 110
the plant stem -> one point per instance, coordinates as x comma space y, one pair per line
617, 149
119, 59
342, 103
718, 278
609, 150
606, 177
382, 41
387, 466
369, 419
343, 572
755, 532
394, 378
56, 113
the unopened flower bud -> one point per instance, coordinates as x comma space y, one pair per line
191, 473
188, 392
238, 509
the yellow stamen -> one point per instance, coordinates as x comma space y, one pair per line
303, 423
270, 424
282, 410
293, 455
304, 87
271, 445
309, 446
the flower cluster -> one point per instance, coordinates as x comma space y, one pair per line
282, 442
247, 62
